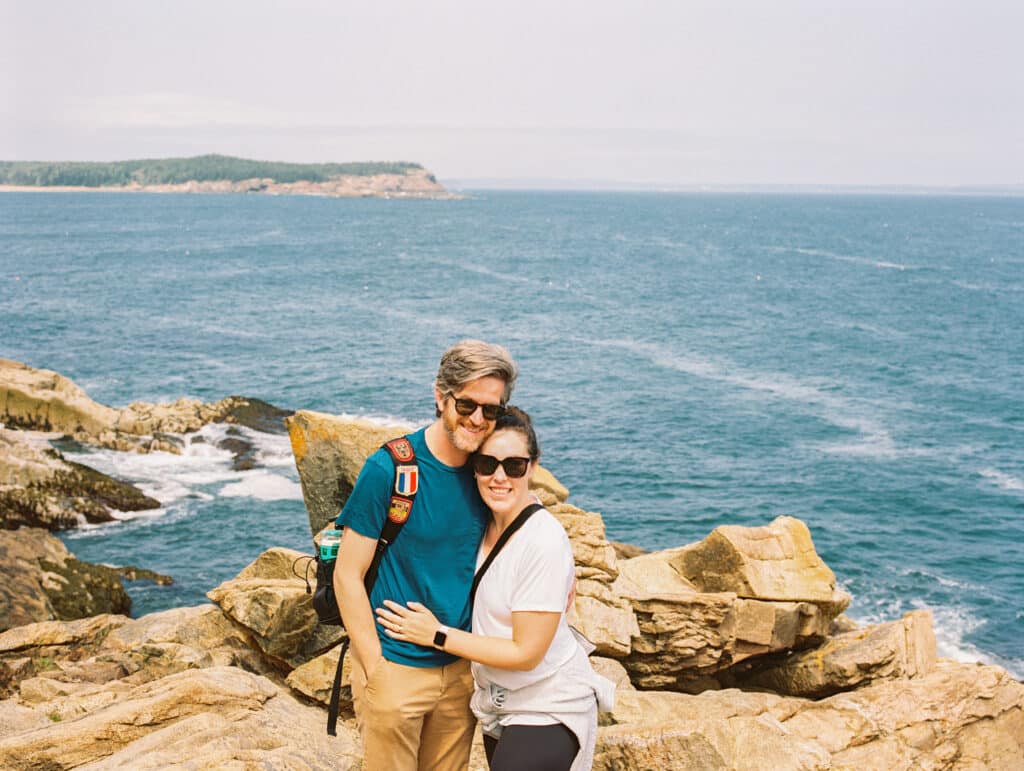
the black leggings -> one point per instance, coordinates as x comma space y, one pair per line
532, 747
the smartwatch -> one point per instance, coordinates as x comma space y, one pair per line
441, 637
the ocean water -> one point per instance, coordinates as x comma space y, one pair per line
691, 360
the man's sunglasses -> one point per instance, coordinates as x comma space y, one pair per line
467, 407
485, 465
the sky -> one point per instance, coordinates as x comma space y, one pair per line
659, 94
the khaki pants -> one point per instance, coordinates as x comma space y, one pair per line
414, 718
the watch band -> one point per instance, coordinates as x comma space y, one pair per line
441, 637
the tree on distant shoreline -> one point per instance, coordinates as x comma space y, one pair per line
175, 171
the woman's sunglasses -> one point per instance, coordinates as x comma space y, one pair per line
467, 407
485, 465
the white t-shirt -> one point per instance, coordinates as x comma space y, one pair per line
534, 572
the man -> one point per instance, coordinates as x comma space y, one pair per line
411, 702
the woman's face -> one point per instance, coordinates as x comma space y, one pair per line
503, 493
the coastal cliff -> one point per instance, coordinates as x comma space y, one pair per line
225, 174
729, 653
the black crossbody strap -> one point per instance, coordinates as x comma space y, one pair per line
517, 523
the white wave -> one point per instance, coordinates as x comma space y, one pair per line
973, 287
202, 471
1002, 480
263, 486
873, 440
382, 419
858, 259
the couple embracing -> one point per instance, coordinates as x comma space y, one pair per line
416, 693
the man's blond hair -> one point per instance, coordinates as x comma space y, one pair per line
470, 360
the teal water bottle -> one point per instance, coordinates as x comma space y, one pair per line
329, 542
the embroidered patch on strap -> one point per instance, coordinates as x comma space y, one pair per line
399, 509
402, 449
407, 480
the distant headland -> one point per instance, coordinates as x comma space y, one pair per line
225, 174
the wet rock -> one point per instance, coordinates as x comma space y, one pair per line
39, 488
44, 581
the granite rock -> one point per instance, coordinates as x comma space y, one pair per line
272, 604
43, 581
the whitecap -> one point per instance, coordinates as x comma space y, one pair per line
857, 259
873, 439
1002, 480
263, 486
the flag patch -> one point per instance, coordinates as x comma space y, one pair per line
407, 480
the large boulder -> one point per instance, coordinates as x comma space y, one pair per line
329, 452
774, 562
896, 649
687, 635
43, 581
271, 601
39, 488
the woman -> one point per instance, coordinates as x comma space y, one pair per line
536, 694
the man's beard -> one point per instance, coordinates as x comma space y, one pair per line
460, 441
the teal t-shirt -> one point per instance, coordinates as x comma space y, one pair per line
434, 556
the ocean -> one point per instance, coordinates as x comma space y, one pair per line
691, 360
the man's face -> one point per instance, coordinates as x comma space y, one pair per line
467, 432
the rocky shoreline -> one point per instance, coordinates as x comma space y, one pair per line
416, 183
730, 653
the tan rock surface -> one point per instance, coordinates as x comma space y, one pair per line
958, 717
329, 451
174, 640
207, 717
269, 601
686, 636
774, 562
897, 649
315, 678
50, 648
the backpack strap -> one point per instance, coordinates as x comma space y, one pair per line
516, 523
403, 493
